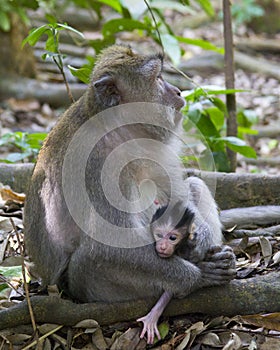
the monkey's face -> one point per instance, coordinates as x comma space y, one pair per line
166, 242
125, 76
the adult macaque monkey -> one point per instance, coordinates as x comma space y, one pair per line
102, 254
195, 238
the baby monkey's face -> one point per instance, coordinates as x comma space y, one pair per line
166, 241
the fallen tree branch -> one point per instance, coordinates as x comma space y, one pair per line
259, 44
270, 161
251, 216
255, 64
230, 190
240, 297
241, 190
267, 232
52, 93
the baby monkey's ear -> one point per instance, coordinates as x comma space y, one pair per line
192, 230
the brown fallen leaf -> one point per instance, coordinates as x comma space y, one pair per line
8, 194
269, 321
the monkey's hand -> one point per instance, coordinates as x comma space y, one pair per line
218, 266
150, 326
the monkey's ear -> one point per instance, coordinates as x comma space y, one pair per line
107, 91
192, 231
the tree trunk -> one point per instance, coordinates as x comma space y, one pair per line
230, 84
15, 60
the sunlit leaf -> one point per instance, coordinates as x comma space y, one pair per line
81, 73
118, 25
207, 7
65, 26
135, 8
217, 117
171, 47
115, 4
239, 146
204, 44
35, 35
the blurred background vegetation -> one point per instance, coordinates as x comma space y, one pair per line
49, 49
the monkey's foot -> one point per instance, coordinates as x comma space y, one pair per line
150, 327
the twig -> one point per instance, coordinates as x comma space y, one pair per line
42, 337
60, 67
24, 278
156, 26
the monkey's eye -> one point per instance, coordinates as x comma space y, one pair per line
159, 235
173, 238
159, 76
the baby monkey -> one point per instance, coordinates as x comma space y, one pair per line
170, 239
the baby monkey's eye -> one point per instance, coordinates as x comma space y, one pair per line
173, 238
159, 235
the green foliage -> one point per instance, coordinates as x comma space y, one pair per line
208, 114
9, 276
243, 11
137, 17
52, 30
27, 144
206, 111
19, 7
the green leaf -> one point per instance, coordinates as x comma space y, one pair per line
194, 95
221, 161
174, 5
135, 8
163, 329
11, 271
35, 140
52, 43
247, 117
233, 141
204, 44
82, 73
5, 23
207, 7
171, 47
51, 19
15, 157
203, 123
6, 138
213, 91
34, 35
119, 25
239, 146
65, 26
248, 131
115, 4
217, 117
219, 104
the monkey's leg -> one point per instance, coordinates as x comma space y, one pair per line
151, 319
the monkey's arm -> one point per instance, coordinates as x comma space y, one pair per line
217, 268
151, 319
